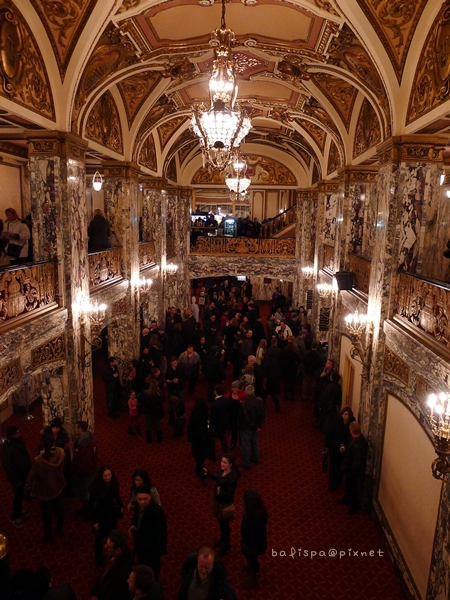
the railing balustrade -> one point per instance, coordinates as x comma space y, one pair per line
104, 267
27, 291
274, 247
279, 222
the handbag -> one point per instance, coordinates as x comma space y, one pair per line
13, 250
227, 512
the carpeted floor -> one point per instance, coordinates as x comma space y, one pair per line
303, 517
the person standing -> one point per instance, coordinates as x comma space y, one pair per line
142, 584
99, 232
47, 484
16, 464
112, 582
204, 578
84, 464
253, 534
337, 436
251, 419
151, 404
16, 235
105, 506
112, 386
236, 396
190, 363
224, 491
149, 528
198, 436
354, 468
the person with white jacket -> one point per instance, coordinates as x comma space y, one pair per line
16, 235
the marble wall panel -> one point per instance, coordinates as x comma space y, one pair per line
370, 219
329, 222
357, 213
45, 208
151, 210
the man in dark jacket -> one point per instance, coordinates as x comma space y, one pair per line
354, 468
149, 528
112, 386
220, 409
84, 464
204, 578
16, 463
312, 362
251, 419
142, 584
112, 582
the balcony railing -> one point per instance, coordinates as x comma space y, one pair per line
360, 265
26, 291
425, 306
279, 222
225, 246
146, 255
104, 267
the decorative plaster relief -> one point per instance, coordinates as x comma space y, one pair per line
103, 125
49, 352
368, 130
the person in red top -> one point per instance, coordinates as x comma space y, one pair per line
237, 395
133, 407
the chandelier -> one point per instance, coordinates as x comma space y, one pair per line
440, 425
223, 126
237, 182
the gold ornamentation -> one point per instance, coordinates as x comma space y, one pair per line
431, 85
368, 130
282, 248
104, 126
328, 258
146, 252
147, 156
315, 174
163, 107
395, 22
10, 374
53, 350
184, 152
334, 158
135, 90
22, 69
172, 171
26, 290
340, 93
413, 148
127, 4
64, 21
104, 267
318, 134
120, 307
9, 148
361, 268
395, 366
167, 129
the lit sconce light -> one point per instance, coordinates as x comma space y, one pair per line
97, 181
144, 286
440, 425
307, 272
356, 325
96, 313
442, 179
324, 290
171, 268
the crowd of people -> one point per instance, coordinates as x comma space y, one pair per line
278, 360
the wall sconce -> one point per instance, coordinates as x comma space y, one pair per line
144, 286
171, 268
308, 272
324, 290
440, 425
97, 181
356, 324
96, 313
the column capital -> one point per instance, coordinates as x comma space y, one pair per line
330, 186
56, 143
412, 148
122, 169
152, 183
307, 194
358, 174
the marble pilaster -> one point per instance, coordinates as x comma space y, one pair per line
121, 207
58, 191
306, 213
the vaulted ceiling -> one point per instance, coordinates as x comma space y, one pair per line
324, 80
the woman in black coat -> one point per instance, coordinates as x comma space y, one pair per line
224, 490
99, 232
338, 435
199, 437
253, 534
106, 507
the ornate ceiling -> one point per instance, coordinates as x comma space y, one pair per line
325, 81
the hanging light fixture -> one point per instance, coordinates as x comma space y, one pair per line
97, 181
223, 126
237, 182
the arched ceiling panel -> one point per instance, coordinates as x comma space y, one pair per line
103, 125
135, 90
147, 156
339, 92
368, 130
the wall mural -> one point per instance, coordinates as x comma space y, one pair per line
368, 130
103, 125
64, 21
261, 170
431, 85
22, 69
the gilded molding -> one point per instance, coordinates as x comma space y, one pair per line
358, 174
51, 143
412, 148
10, 374
261, 170
395, 366
339, 92
49, 352
120, 170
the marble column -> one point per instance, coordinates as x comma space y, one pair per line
58, 200
305, 237
407, 189
121, 208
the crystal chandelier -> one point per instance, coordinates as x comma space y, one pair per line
223, 126
237, 182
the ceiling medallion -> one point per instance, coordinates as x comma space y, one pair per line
223, 126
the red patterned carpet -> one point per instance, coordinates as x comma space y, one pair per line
302, 515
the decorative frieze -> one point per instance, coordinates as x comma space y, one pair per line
10, 374
276, 247
412, 148
53, 350
395, 366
